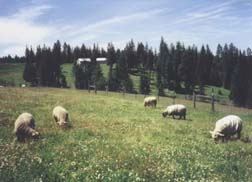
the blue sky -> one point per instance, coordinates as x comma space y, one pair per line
34, 22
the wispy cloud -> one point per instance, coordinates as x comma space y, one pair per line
30, 13
44, 21
115, 20
204, 14
21, 29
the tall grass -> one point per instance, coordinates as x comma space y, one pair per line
114, 138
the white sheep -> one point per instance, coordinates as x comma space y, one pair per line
226, 127
150, 101
60, 115
25, 127
175, 110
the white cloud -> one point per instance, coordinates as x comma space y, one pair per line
30, 13
20, 29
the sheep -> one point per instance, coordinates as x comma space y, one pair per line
60, 115
25, 127
177, 109
226, 127
150, 101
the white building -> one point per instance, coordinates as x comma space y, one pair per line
82, 60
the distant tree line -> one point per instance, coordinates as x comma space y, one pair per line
173, 67
10, 59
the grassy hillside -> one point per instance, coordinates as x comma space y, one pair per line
114, 138
12, 73
67, 70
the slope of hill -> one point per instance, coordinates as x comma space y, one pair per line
12, 73
114, 138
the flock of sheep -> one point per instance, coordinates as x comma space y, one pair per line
25, 123
224, 128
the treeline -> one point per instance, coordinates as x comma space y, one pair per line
10, 59
173, 67
42, 67
183, 69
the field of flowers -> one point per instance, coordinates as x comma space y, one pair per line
114, 138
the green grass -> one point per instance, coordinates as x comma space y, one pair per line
67, 70
12, 73
114, 138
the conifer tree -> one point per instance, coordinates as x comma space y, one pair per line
29, 73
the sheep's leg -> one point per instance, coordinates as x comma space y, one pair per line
184, 117
223, 139
173, 116
180, 116
239, 135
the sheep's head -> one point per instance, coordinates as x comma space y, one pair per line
145, 104
216, 135
35, 135
165, 113
63, 124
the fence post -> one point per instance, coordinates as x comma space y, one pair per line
124, 90
106, 89
88, 87
194, 100
212, 100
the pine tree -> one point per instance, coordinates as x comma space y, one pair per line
230, 55
144, 81
186, 70
97, 78
122, 73
202, 69
216, 73
239, 87
130, 55
160, 67
249, 93
29, 73
111, 60
57, 61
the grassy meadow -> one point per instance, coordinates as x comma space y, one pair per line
114, 138
12, 73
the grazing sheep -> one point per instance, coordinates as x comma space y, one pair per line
25, 127
60, 115
227, 126
177, 109
150, 101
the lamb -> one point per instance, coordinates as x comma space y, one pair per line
150, 101
25, 127
226, 127
177, 109
60, 115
